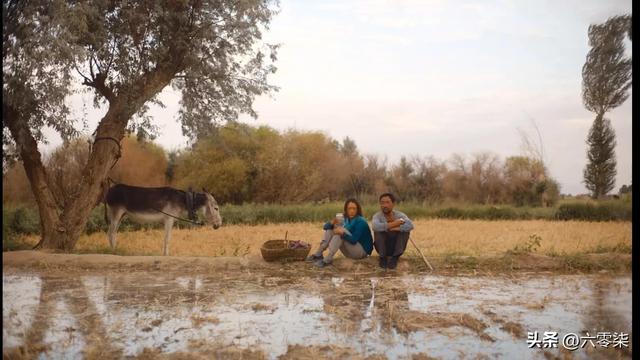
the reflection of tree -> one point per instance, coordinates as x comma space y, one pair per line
73, 292
138, 290
601, 318
90, 321
348, 301
34, 336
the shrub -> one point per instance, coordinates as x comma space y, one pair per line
605, 211
529, 246
23, 220
15, 222
96, 222
450, 213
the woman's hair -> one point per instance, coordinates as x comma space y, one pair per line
352, 200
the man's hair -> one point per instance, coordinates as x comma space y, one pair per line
389, 195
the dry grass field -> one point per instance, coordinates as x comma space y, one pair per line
436, 237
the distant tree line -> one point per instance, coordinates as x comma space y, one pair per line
243, 163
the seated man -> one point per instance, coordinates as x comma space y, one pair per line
390, 232
351, 236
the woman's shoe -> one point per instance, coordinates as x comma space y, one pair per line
321, 263
383, 262
314, 257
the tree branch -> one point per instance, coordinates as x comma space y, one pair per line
99, 83
86, 79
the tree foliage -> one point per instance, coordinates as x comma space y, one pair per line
625, 189
36, 78
241, 163
600, 171
143, 163
126, 53
606, 79
606, 74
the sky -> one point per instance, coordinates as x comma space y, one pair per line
432, 78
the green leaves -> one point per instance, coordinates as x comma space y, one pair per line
210, 50
606, 74
600, 171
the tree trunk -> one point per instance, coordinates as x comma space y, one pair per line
48, 208
103, 154
62, 230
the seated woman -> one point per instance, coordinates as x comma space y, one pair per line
353, 237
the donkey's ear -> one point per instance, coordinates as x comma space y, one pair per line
205, 190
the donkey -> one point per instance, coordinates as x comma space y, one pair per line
161, 204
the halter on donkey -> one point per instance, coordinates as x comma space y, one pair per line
162, 204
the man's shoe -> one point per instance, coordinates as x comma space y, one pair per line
393, 262
314, 257
383, 262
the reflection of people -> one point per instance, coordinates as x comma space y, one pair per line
353, 237
348, 300
391, 230
365, 304
391, 303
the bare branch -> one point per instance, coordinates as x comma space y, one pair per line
86, 79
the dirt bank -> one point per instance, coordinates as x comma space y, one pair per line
448, 265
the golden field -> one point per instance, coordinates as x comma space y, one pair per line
435, 237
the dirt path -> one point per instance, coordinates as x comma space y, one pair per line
509, 263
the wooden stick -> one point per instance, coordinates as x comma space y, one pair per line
421, 254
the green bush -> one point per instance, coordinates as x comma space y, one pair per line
450, 213
277, 213
8, 236
23, 220
495, 213
529, 246
491, 213
96, 222
588, 211
16, 222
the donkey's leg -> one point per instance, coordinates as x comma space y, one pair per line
168, 224
115, 216
111, 217
122, 214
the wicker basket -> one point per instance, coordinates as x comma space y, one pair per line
274, 250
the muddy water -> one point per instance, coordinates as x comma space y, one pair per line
394, 317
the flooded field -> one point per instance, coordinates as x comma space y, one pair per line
254, 315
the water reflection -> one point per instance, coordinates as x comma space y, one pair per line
122, 315
20, 299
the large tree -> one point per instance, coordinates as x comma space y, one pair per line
126, 53
606, 79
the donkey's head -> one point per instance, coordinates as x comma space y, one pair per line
212, 211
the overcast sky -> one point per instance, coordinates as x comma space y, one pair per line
431, 77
